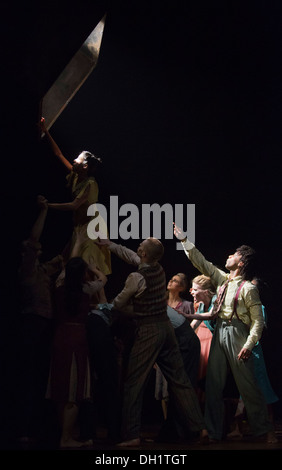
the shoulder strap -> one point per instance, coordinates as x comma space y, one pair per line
236, 300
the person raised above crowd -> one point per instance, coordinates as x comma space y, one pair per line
81, 180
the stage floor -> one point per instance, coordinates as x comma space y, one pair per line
148, 444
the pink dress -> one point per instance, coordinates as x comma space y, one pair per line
69, 378
205, 337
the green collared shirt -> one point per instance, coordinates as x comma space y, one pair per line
249, 308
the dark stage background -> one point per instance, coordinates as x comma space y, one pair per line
183, 107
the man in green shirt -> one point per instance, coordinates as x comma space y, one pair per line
239, 325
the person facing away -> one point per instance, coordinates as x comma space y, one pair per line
70, 381
239, 325
35, 329
144, 296
81, 179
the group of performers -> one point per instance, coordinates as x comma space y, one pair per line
148, 325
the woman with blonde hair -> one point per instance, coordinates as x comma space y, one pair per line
204, 294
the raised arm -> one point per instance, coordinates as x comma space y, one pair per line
54, 146
121, 251
124, 253
198, 260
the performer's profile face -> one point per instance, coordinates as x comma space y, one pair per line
233, 261
140, 249
79, 162
174, 283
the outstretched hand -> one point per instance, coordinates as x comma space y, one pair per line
196, 316
42, 202
102, 241
178, 232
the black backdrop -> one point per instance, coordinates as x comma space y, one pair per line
183, 107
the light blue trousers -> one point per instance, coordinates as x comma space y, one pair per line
228, 340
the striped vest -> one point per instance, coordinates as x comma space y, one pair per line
152, 301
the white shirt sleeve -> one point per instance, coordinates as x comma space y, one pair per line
125, 254
205, 267
135, 284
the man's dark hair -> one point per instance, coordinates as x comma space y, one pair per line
248, 257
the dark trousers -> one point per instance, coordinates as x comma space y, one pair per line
103, 361
190, 348
156, 342
36, 335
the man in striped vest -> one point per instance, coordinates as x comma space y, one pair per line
144, 297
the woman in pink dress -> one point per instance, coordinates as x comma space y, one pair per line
204, 294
